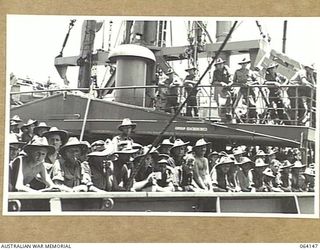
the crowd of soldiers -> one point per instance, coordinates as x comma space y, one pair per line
238, 97
46, 158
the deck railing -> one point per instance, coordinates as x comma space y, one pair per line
218, 203
294, 109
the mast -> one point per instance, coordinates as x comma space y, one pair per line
284, 39
89, 29
222, 30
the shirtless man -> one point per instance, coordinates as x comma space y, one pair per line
26, 168
201, 166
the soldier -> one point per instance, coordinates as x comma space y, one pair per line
57, 138
246, 96
297, 179
222, 80
165, 146
192, 102
172, 92
16, 118
189, 83
161, 94
164, 176
268, 177
178, 152
14, 125
213, 158
238, 154
219, 175
41, 128
122, 166
285, 176
260, 154
145, 179
275, 165
244, 176
277, 81
14, 146
164, 151
126, 128
98, 146
70, 173
187, 183
27, 130
102, 169
305, 79
309, 175
257, 174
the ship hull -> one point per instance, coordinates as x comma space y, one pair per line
220, 203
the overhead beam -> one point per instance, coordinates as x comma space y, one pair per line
233, 48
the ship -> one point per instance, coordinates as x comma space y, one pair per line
89, 113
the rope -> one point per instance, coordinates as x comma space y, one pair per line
109, 37
158, 138
71, 24
204, 29
264, 36
103, 27
171, 36
118, 34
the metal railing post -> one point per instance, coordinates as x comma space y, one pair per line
310, 107
218, 205
210, 102
55, 205
296, 112
248, 105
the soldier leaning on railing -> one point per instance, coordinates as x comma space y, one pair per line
305, 79
222, 78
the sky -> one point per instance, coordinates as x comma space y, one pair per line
34, 41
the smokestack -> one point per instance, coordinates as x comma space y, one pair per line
132, 63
